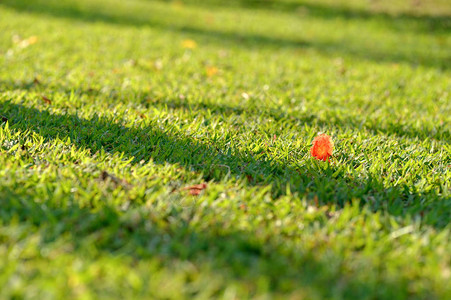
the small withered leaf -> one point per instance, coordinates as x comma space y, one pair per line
195, 190
46, 100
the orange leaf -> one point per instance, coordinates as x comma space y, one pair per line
196, 189
323, 147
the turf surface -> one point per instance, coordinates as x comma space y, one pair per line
114, 113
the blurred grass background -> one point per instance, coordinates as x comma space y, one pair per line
112, 109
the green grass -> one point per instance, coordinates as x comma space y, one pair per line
107, 119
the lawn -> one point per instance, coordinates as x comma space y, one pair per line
161, 149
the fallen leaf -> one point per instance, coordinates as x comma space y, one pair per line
189, 44
322, 148
201, 186
211, 71
195, 190
46, 100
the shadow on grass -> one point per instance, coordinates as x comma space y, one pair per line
330, 183
416, 22
369, 52
243, 256
440, 133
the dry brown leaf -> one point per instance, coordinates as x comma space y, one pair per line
195, 190
46, 100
